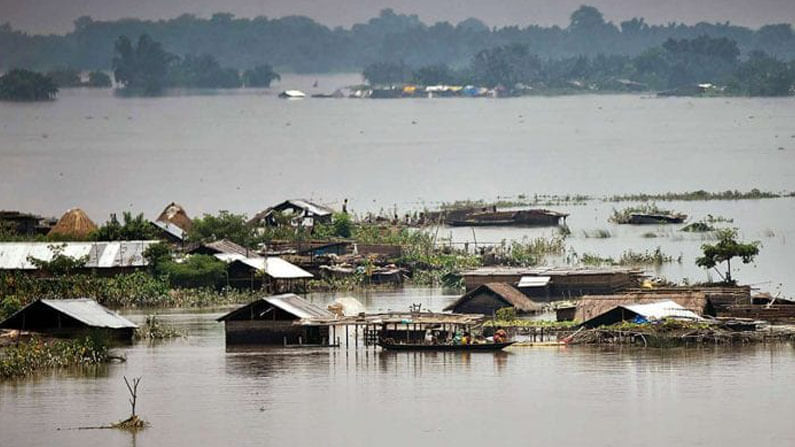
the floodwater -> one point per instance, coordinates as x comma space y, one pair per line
196, 392
243, 150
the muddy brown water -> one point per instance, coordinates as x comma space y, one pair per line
195, 391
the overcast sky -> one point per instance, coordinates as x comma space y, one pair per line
44, 16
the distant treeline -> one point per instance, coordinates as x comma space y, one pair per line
300, 44
703, 65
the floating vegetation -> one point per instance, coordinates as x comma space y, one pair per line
628, 215
717, 219
527, 252
649, 235
153, 329
698, 227
26, 358
699, 195
597, 234
631, 258
655, 257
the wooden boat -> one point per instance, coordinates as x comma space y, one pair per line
392, 346
654, 219
531, 217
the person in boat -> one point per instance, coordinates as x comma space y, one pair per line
430, 339
500, 336
466, 339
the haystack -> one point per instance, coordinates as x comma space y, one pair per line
74, 223
176, 215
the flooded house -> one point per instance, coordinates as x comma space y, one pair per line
249, 270
589, 307
276, 320
295, 212
493, 217
642, 313
563, 282
101, 258
488, 298
70, 318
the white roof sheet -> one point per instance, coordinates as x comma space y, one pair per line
14, 255
297, 306
661, 310
91, 313
534, 281
170, 228
274, 267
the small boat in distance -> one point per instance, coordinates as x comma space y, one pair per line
494, 218
653, 219
393, 346
292, 94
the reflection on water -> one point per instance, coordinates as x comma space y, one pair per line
195, 391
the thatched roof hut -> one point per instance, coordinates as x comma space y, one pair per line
491, 297
175, 214
74, 223
593, 305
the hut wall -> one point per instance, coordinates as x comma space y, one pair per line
273, 332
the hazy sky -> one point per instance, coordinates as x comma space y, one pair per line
57, 15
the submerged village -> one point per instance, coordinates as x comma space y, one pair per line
63, 281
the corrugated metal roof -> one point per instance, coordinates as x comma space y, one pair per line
274, 267
548, 271
298, 306
14, 255
170, 228
318, 210
534, 281
661, 310
288, 302
90, 313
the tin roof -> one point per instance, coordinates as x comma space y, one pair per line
84, 310
14, 255
288, 302
170, 228
534, 281
548, 271
274, 267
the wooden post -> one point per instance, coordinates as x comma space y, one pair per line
356, 336
347, 338
285, 340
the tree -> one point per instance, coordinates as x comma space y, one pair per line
225, 225
60, 264
135, 228
202, 72
26, 85
727, 248
387, 73
98, 79
434, 74
506, 65
65, 77
143, 67
260, 76
762, 75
